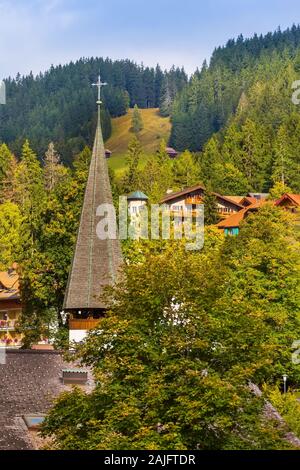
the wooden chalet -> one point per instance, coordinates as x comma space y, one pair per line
249, 199
231, 225
172, 153
187, 199
10, 308
289, 202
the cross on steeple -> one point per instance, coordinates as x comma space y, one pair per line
99, 85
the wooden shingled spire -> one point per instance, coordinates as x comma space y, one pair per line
96, 262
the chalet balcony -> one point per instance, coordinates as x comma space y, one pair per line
224, 213
185, 213
7, 325
194, 200
83, 324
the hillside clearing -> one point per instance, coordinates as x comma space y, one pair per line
155, 129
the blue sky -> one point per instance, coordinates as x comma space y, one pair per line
37, 33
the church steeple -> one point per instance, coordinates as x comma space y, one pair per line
96, 262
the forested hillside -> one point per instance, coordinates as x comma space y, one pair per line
245, 96
59, 105
236, 113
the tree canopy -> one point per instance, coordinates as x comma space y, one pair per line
175, 354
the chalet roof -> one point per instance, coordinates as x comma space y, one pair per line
293, 198
171, 150
96, 262
248, 200
237, 199
234, 220
9, 285
173, 196
9, 279
169, 197
258, 196
137, 195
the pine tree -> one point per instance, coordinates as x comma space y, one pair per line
227, 179
156, 177
10, 234
211, 216
134, 154
278, 190
149, 86
162, 153
208, 158
137, 121
7, 174
159, 77
286, 163
186, 171
297, 62
30, 193
52, 167
166, 101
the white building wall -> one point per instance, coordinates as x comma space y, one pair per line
134, 207
77, 335
179, 205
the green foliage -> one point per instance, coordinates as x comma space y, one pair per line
174, 356
210, 209
30, 193
245, 97
53, 170
288, 406
59, 105
44, 254
7, 173
162, 152
35, 325
186, 171
278, 190
166, 100
287, 160
156, 178
10, 234
134, 154
228, 179
173, 82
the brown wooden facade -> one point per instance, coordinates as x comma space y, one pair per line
10, 309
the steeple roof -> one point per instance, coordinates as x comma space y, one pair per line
96, 262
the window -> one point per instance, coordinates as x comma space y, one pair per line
232, 231
33, 421
3, 315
